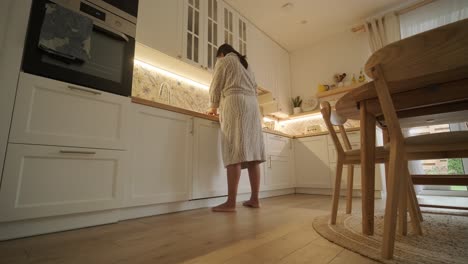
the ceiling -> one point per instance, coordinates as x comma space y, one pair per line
308, 21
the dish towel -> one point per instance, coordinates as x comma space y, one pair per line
66, 33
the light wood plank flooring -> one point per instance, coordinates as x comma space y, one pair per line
280, 232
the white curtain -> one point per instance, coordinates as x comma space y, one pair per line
433, 15
383, 30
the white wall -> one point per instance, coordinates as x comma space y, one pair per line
345, 52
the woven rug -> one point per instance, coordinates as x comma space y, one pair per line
444, 240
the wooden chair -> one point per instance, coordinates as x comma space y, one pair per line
346, 156
434, 58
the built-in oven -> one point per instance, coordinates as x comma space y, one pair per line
112, 46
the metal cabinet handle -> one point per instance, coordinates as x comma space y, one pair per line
71, 87
269, 161
77, 152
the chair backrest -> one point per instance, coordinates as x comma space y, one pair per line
332, 119
432, 57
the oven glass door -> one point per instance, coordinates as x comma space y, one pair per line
110, 68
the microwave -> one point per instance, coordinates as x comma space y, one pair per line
112, 46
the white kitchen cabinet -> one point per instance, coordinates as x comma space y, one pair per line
283, 84
193, 31
209, 174
50, 112
261, 55
242, 42
279, 169
161, 157
40, 181
159, 25
311, 162
213, 28
270, 64
14, 16
278, 173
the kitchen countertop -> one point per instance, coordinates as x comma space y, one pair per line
171, 108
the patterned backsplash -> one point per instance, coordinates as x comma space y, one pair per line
151, 85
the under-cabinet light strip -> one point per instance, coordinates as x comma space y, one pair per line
172, 75
305, 118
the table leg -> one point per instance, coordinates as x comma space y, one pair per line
368, 123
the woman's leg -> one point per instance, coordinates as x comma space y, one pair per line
233, 175
254, 177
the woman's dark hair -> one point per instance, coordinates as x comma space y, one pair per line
225, 49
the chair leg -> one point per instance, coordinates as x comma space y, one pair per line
413, 205
336, 191
413, 196
349, 199
403, 205
395, 170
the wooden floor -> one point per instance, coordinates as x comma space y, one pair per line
280, 232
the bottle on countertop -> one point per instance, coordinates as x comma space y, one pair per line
362, 77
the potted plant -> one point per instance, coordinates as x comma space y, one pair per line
297, 102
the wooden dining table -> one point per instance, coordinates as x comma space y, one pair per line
443, 103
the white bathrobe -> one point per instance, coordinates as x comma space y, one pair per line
233, 90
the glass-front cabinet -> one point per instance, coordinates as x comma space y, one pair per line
213, 28
242, 34
193, 31
207, 25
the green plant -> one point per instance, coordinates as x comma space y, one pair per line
455, 166
297, 102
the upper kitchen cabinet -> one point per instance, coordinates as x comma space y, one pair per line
283, 82
159, 25
261, 58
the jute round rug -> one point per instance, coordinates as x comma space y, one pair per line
444, 240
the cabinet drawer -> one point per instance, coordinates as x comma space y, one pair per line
278, 145
40, 181
50, 112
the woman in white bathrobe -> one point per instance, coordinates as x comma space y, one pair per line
234, 91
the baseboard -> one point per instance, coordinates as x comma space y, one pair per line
158, 209
39, 226
326, 191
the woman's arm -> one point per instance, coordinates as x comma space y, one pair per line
217, 85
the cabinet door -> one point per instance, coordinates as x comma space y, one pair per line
283, 81
159, 25
229, 27
209, 174
312, 165
161, 157
278, 172
213, 31
193, 31
262, 58
42, 181
50, 112
242, 35
14, 17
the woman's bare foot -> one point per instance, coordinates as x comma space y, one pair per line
225, 207
251, 204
